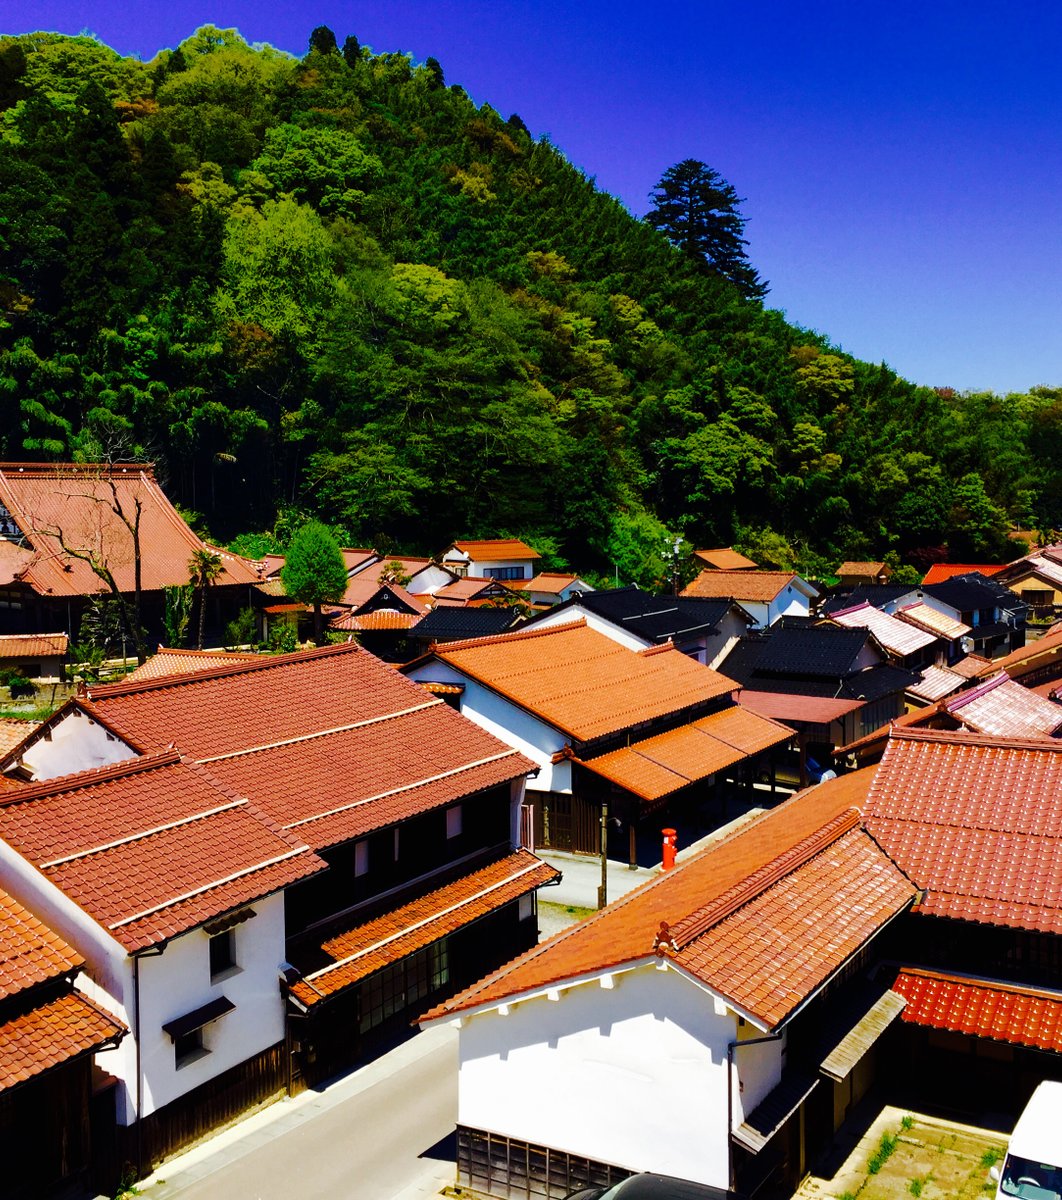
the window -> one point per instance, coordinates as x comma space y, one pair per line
503, 572
403, 984
527, 907
187, 1032
223, 954
361, 858
453, 821
188, 1048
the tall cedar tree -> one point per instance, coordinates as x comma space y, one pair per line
314, 571
697, 211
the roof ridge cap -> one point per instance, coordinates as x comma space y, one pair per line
982, 689
995, 985
239, 666
91, 775
693, 926
964, 738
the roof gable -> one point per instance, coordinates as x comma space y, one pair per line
493, 549
749, 586
582, 682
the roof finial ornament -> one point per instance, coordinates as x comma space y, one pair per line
664, 942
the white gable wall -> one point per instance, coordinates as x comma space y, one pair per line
617, 633
76, 743
634, 1075
509, 723
428, 580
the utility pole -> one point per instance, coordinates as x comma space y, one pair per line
602, 891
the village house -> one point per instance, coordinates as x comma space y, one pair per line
852, 574
419, 576
38, 656
766, 595
493, 558
703, 629
906, 644
474, 591
343, 764
939, 572
725, 558
831, 684
1037, 580
49, 1032
449, 623
604, 725
719, 1023
550, 588
60, 520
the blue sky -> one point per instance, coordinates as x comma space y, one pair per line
901, 163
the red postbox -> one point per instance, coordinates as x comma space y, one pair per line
670, 848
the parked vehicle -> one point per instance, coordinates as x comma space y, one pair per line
1032, 1169
648, 1186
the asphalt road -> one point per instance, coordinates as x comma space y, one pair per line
384, 1133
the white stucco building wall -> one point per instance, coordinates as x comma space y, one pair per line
74, 743
632, 1073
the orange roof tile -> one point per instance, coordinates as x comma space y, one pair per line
941, 572
791, 706
495, 549
48, 498
582, 682
468, 588
863, 570
151, 847
657, 766
30, 952
379, 619
377, 943
13, 732
1004, 1012
725, 559
364, 588
184, 662
51, 1034
780, 841
975, 821
546, 581
763, 586
33, 645
973, 665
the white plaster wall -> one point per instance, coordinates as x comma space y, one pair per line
790, 603
756, 1070
634, 1076
479, 569
508, 723
428, 581
868, 657
618, 634
178, 981
77, 743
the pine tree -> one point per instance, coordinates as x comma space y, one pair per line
697, 211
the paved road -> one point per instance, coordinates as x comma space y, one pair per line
383, 1133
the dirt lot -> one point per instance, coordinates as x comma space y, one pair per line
906, 1154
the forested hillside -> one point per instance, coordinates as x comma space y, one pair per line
336, 286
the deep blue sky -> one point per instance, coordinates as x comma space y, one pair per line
901, 162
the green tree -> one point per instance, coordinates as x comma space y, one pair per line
204, 570
177, 614
323, 41
314, 571
698, 212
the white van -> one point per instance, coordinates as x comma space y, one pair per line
1032, 1169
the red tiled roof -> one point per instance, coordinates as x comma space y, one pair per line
495, 549
976, 822
48, 498
770, 847
378, 619
468, 588
30, 952
546, 581
741, 585
184, 662
725, 559
13, 731
983, 1008
787, 706
974, 665
941, 572
358, 559
936, 682
342, 785
1006, 709
377, 943
660, 765
582, 682
33, 645
51, 1034
364, 588
151, 847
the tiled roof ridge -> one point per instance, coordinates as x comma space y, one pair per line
56, 468
649, 651
504, 638
843, 612
961, 737
261, 662
682, 933
91, 776
982, 689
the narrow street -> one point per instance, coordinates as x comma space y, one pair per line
381, 1133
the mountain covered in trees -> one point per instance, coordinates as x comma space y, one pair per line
336, 286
